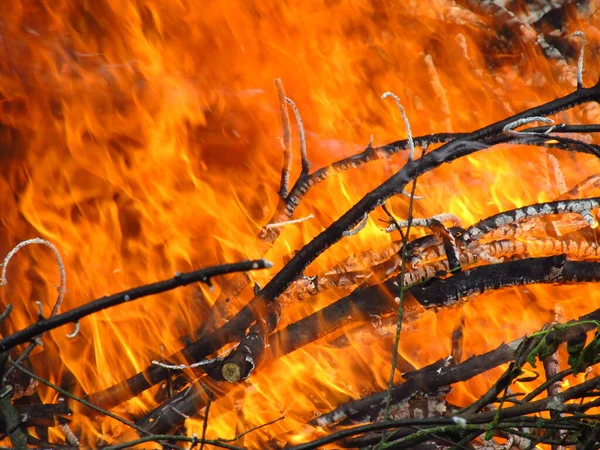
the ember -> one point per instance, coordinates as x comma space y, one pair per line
344, 287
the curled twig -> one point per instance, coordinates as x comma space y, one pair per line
411, 144
63, 274
75, 331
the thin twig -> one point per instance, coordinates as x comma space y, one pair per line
258, 427
510, 128
411, 144
388, 400
357, 228
6, 312
289, 222
205, 422
286, 141
426, 223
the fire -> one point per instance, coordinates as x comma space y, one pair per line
143, 138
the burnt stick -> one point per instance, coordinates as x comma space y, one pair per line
363, 304
237, 326
552, 269
250, 350
180, 279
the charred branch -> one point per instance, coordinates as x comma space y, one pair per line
180, 279
44, 415
552, 269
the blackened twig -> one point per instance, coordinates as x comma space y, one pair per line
180, 279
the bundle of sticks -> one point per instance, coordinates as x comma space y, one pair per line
553, 242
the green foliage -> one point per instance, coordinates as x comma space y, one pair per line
582, 356
544, 348
575, 347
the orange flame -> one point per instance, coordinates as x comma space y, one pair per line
143, 138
